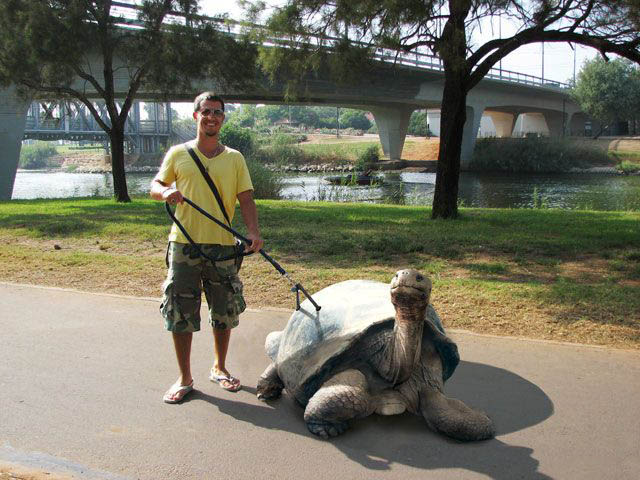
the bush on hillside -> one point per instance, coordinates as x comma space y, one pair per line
286, 139
368, 158
533, 154
238, 138
419, 125
284, 155
266, 183
36, 156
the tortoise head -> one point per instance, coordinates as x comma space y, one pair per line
410, 290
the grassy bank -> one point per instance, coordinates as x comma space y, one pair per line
563, 275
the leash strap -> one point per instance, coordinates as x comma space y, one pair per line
210, 182
216, 194
295, 286
196, 246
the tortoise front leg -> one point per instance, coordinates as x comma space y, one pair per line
269, 384
341, 398
453, 417
443, 414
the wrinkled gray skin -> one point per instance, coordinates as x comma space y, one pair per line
362, 354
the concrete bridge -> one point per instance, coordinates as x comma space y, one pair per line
399, 85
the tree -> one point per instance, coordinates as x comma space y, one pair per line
312, 26
245, 116
272, 113
306, 116
94, 49
419, 124
354, 119
608, 91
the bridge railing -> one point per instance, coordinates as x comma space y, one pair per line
128, 15
66, 120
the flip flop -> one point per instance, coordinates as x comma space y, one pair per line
233, 384
177, 392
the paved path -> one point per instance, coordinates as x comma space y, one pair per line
82, 376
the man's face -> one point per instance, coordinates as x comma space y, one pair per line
209, 118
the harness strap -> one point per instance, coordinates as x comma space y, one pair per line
296, 287
197, 247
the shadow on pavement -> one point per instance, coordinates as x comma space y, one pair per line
378, 442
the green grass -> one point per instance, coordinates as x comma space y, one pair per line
570, 275
620, 156
348, 151
338, 230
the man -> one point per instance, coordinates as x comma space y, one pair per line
189, 273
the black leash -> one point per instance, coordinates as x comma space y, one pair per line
296, 286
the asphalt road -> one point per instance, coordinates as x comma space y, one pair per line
82, 377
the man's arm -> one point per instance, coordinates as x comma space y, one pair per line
250, 217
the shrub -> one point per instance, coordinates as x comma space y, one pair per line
355, 119
629, 167
266, 183
419, 125
533, 154
368, 158
36, 156
238, 138
280, 139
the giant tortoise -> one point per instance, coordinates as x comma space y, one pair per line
364, 353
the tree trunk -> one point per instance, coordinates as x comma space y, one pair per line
452, 119
117, 164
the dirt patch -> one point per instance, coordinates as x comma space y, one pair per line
327, 138
421, 149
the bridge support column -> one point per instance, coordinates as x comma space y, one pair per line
470, 133
503, 122
555, 123
392, 126
13, 117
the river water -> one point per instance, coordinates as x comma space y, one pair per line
568, 191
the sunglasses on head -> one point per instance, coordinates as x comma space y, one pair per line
205, 112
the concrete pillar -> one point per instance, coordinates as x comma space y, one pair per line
555, 123
433, 121
470, 133
503, 122
13, 117
392, 126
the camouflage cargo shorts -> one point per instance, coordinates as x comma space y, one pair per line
190, 274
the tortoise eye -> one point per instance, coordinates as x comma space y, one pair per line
419, 278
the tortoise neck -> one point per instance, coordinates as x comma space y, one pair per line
400, 355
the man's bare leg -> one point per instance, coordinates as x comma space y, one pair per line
221, 339
182, 344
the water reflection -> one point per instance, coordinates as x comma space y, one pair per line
583, 191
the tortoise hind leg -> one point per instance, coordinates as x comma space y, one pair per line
269, 384
341, 398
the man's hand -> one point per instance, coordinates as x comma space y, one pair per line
172, 195
256, 243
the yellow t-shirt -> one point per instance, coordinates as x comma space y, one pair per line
229, 173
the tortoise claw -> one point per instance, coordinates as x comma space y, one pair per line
268, 391
327, 429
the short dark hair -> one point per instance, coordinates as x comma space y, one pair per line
204, 96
